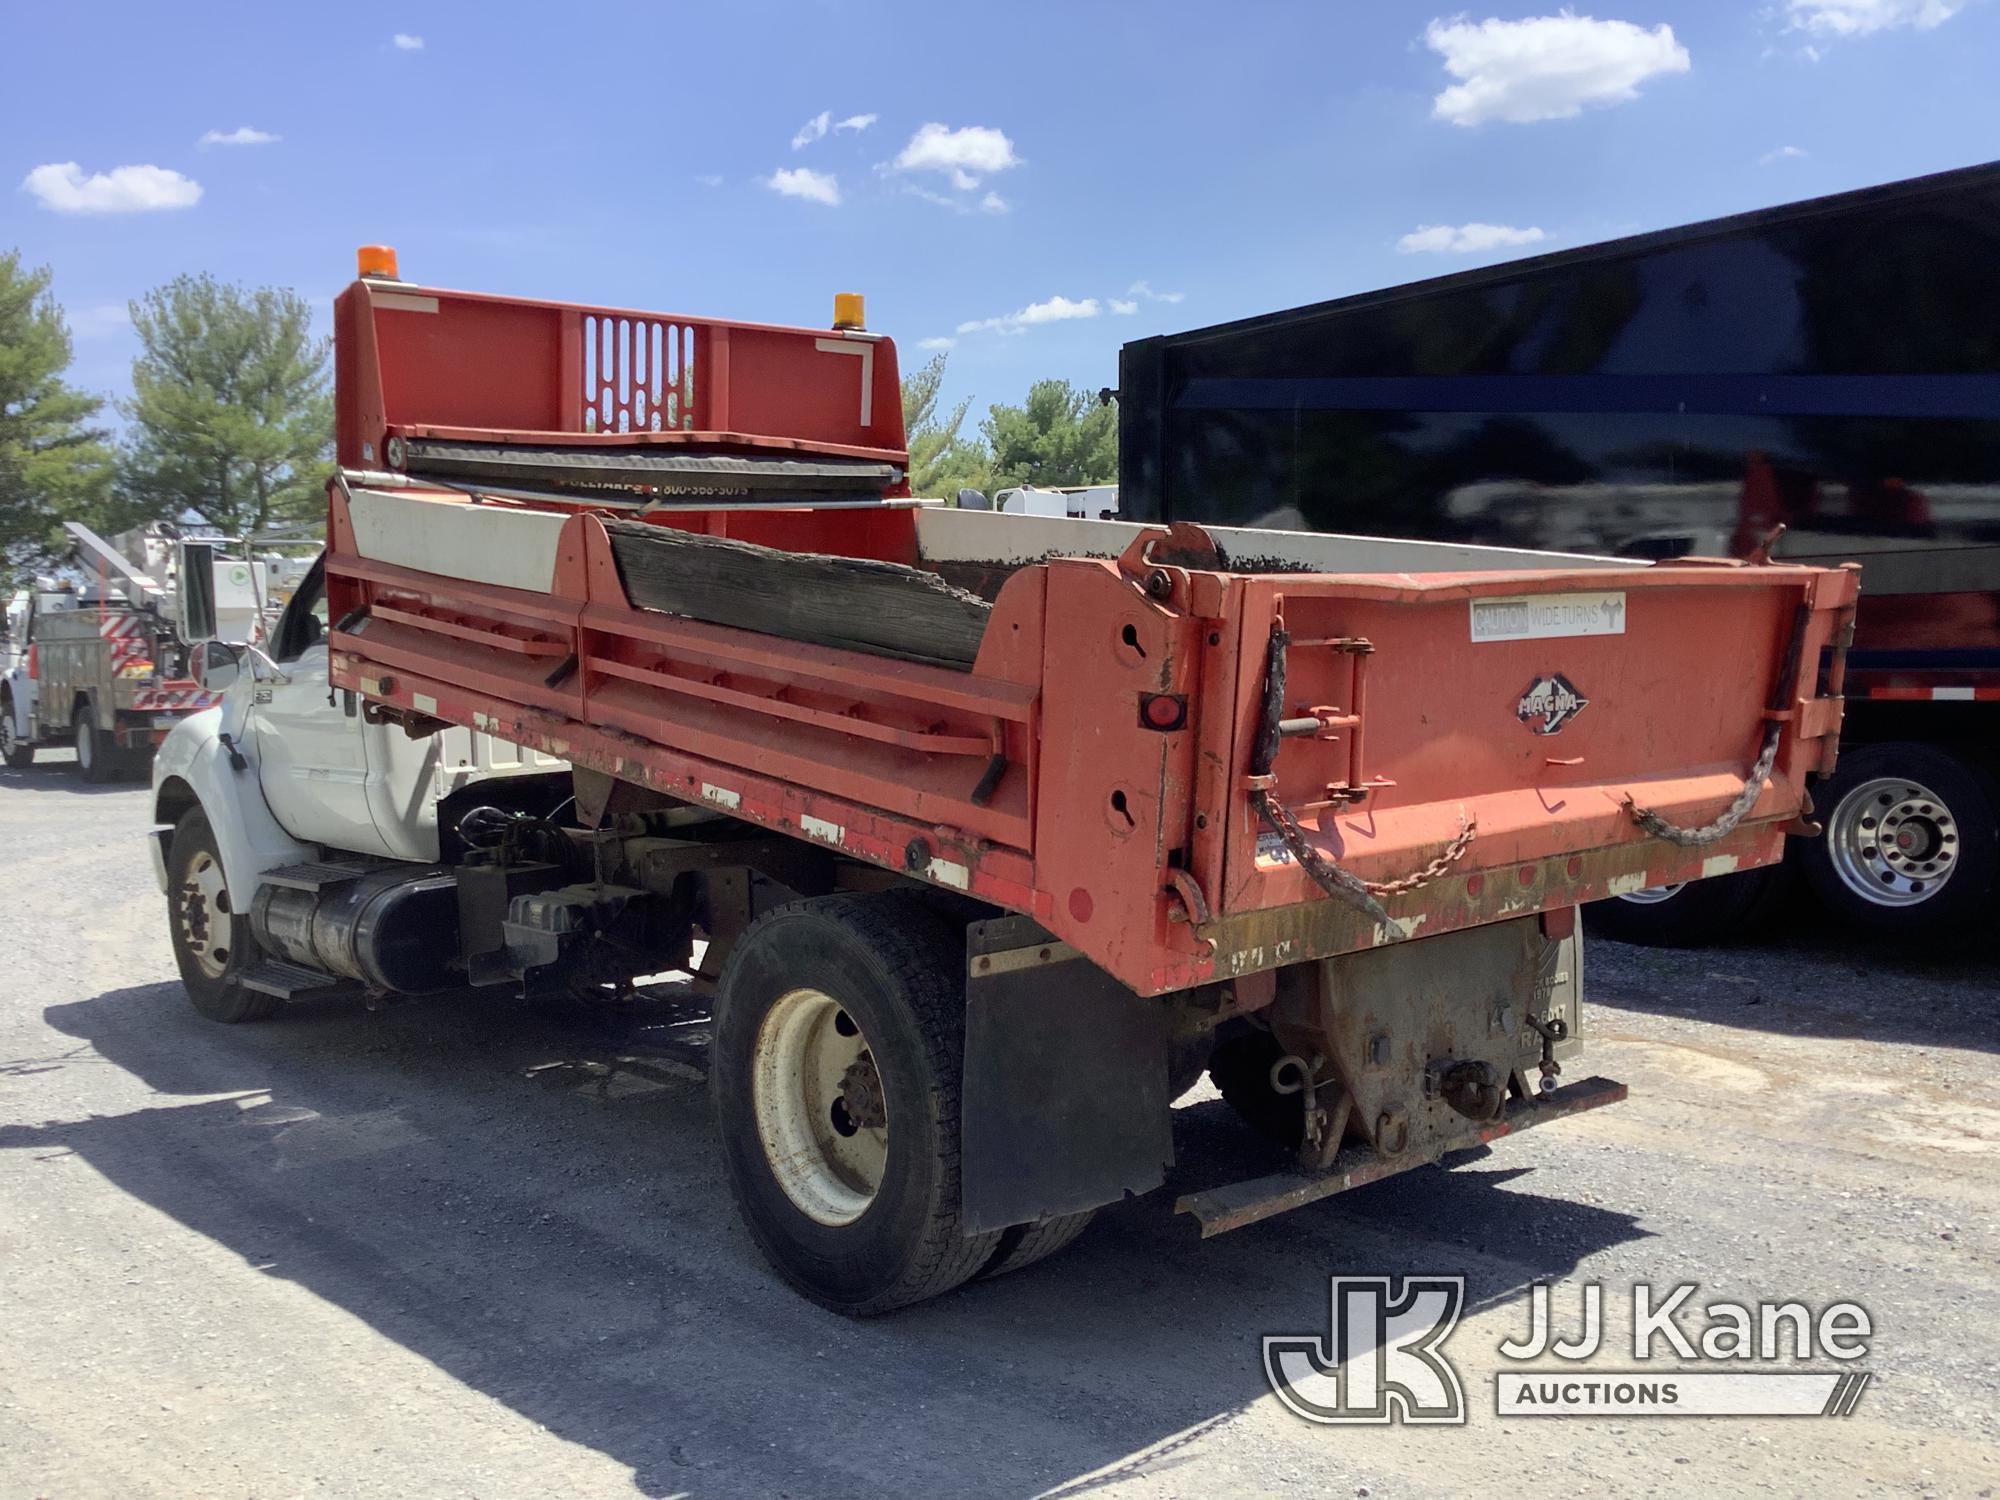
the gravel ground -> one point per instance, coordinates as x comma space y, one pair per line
479, 1247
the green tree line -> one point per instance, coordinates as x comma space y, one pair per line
231, 419
1060, 435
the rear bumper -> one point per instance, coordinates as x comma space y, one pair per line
1233, 1205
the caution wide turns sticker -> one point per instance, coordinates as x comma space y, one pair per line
1541, 617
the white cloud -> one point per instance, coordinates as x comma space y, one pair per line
1123, 309
803, 182
812, 130
856, 122
1783, 153
1546, 67
1145, 290
1055, 310
709, 179
1464, 239
242, 135
1860, 17
956, 205
402, 41
964, 154
98, 321
63, 187
993, 203
937, 343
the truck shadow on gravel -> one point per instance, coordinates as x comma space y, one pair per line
1812, 981
530, 1199
59, 776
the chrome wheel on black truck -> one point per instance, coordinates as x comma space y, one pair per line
1687, 913
1912, 842
835, 1073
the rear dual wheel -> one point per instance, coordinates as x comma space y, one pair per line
1912, 842
835, 1074
96, 754
1686, 914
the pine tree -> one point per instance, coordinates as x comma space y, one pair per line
54, 465
231, 412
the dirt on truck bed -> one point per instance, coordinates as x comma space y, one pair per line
480, 1246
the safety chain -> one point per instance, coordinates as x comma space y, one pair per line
1468, 830
1722, 827
1342, 885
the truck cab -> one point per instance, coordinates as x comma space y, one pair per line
20, 689
285, 768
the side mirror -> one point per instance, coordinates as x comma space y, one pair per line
969, 499
216, 666
195, 595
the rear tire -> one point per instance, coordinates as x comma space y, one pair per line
1024, 1244
827, 1003
1912, 841
96, 759
1684, 916
212, 941
1240, 1068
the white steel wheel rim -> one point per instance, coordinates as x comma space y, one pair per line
830, 1167
204, 914
1653, 895
1893, 842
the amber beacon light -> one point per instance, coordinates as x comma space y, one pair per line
377, 261
849, 311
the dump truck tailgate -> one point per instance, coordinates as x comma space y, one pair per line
1470, 746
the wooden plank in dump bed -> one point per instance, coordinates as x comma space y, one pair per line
858, 604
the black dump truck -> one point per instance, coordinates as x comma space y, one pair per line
1829, 367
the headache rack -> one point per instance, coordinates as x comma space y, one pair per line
1190, 755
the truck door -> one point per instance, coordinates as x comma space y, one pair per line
312, 753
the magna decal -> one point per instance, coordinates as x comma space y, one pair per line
1549, 703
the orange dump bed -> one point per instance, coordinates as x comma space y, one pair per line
1185, 770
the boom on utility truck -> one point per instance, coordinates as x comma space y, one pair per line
102, 667
993, 844
1829, 367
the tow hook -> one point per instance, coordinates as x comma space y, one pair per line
1553, 1030
1320, 1142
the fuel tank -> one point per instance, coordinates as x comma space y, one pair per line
394, 929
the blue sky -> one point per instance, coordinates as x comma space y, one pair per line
1005, 176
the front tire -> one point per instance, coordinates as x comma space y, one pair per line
212, 941
1912, 841
18, 753
835, 1077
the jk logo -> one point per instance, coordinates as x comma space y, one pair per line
1380, 1360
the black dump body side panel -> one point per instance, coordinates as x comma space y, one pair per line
1834, 365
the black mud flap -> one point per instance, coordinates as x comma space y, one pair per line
1065, 1103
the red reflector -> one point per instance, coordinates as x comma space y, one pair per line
1162, 711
